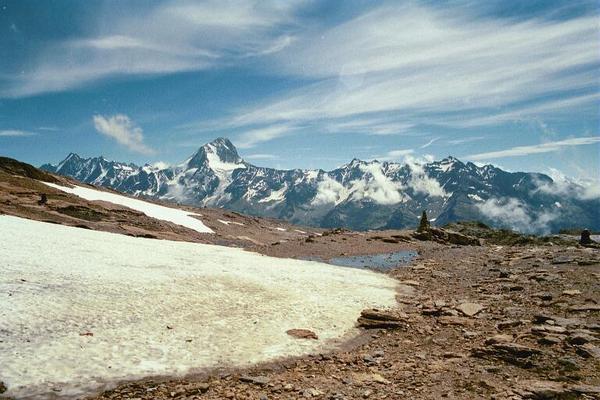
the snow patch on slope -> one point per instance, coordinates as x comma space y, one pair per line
226, 307
474, 197
276, 195
174, 215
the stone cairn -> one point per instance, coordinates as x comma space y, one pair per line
424, 224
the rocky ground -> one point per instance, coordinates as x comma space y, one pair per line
471, 322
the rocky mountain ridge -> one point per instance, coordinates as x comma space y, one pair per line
358, 195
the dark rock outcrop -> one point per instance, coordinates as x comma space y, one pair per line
446, 237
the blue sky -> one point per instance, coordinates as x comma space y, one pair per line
304, 84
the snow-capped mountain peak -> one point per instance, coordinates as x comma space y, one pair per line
218, 155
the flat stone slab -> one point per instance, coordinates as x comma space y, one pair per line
470, 309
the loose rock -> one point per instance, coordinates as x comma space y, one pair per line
302, 334
470, 309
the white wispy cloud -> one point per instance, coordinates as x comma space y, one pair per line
171, 37
261, 157
122, 129
549, 108
461, 69
252, 137
381, 126
429, 143
466, 140
15, 133
547, 147
395, 155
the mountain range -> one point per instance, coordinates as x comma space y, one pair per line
358, 195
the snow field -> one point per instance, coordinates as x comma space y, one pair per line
225, 222
174, 215
226, 307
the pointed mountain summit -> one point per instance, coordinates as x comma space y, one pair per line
220, 154
71, 163
358, 195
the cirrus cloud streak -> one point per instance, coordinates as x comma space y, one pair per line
548, 147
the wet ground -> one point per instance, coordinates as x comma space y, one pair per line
378, 262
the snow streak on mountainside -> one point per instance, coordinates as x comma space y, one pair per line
358, 195
173, 215
92, 308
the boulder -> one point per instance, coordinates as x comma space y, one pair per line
43, 200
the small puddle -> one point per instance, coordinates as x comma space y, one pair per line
382, 262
